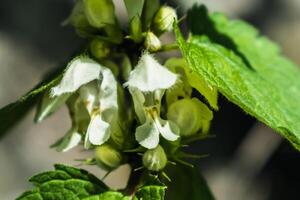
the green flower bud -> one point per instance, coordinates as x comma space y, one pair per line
152, 42
108, 157
99, 12
79, 21
99, 48
155, 159
164, 19
190, 115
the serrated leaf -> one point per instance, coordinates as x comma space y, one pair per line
48, 176
64, 183
151, 193
186, 183
110, 195
266, 85
31, 195
134, 8
81, 174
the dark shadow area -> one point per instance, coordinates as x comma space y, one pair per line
38, 23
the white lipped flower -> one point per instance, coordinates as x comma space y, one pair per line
97, 88
147, 84
80, 119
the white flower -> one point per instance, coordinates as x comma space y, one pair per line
147, 84
80, 119
69, 141
97, 89
80, 71
149, 75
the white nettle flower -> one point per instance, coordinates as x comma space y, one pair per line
147, 84
97, 89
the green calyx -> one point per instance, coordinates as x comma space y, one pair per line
99, 12
155, 159
190, 115
99, 48
108, 157
152, 42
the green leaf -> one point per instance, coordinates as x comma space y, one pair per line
31, 195
110, 195
151, 193
253, 75
13, 112
134, 8
186, 183
64, 183
150, 8
210, 93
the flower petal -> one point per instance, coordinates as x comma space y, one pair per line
98, 131
79, 72
49, 105
89, 94
74, 140
167, 129
149, 75
69, 141
138, 101
147, 135
108, 95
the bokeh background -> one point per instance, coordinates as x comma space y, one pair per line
247, 160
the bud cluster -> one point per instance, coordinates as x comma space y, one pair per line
121, 100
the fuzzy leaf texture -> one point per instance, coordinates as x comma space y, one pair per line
246, 68
110, 195
64, 183
151, 193
70, 183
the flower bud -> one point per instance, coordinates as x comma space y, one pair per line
155, 159
152, 43
79, 21
190, 115
108, 157
164, 19
99, 13
99, 48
